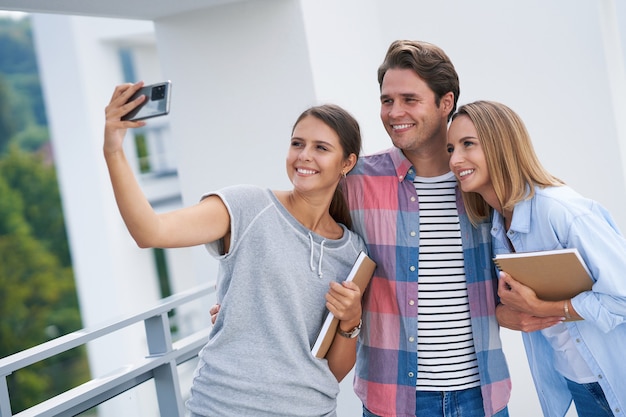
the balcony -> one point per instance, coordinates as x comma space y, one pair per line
159, 366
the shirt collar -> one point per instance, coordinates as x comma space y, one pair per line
521, 216
402, 165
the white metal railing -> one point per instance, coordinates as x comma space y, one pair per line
160, 364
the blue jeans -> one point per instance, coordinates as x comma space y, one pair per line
463, 403
589, 400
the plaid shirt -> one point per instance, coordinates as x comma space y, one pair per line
384, 208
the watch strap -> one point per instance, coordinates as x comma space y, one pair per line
352, 333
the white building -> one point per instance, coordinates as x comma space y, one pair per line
243, 70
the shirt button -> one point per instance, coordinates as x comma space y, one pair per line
577, 340
400, 177
599, 376
411, 339
412, 268
412, 198
413, 233
411, 374
411, 302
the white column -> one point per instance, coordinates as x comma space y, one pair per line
79, 70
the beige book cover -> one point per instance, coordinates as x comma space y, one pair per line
554, 275
360, 274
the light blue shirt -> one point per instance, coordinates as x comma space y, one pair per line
558, 217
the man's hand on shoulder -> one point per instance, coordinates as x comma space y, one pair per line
213, 311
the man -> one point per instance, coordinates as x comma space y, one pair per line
431, 349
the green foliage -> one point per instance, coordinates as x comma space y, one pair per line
141, 145
36, 184
8, 127
21, 99
32, 139
11, 207
37, 292
16, 44
28, 96
31, 280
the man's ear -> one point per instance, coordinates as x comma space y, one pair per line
447, 102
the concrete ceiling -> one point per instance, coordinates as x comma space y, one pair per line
125, 9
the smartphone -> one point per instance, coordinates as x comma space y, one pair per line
157, 102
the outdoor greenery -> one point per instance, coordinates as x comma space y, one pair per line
38, 299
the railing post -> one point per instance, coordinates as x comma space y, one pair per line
165, 376
161, 365
168, 390
5, 402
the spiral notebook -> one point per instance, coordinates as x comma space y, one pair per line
554, 275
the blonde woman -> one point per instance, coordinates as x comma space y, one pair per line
501, 177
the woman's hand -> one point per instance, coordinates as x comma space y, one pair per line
344, 301
115, 127
516, 295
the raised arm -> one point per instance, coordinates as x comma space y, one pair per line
204, 222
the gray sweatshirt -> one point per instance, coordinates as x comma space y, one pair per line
271, 288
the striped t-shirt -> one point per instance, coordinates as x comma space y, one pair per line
385, 211
446, 356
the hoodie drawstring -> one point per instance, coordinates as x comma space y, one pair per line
319, 266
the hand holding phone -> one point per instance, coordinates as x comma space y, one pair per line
157, 102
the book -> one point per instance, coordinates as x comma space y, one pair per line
360, 273
554, 275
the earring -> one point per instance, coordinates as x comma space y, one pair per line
343, 174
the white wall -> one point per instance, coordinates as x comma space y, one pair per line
243, 72
544, 59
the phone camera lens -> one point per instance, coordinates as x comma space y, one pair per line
158, 93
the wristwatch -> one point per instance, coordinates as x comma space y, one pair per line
352, 333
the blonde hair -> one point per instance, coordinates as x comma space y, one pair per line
511, 160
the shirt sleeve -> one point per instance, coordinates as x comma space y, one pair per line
604, 250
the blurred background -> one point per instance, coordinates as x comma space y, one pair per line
241, 72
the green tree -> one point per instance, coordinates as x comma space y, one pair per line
7, 122
36, 184
32, 139
32, 283
16, 44
37, 293
28, 96
21, 98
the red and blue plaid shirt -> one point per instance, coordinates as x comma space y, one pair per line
385, 212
